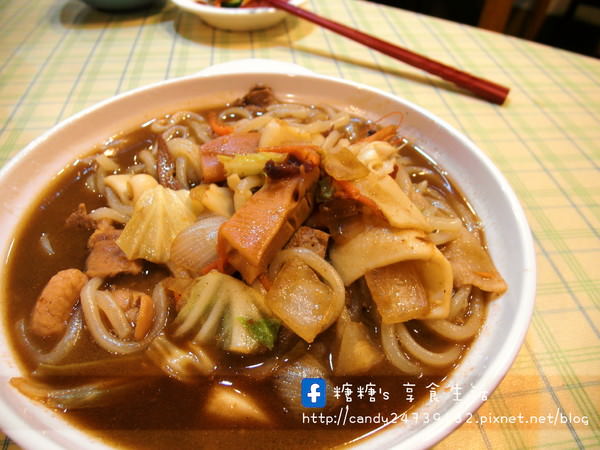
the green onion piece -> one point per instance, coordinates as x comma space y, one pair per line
326, 190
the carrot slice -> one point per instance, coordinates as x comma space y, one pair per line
144, 318
346, 189
217, 126
222, 253
265, 281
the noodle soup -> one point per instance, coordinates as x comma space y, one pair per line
209, 261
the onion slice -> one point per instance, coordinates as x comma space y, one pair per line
195, 247
114, 314
181, 363
463, 332
103, 337
105, 392
425, 356
323, 269
394, 354
134, 365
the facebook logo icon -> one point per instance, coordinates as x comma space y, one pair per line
314, 394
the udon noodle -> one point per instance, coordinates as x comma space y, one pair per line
228, 253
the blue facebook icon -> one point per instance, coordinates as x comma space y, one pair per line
314, 394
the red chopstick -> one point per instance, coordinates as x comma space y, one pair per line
485, 89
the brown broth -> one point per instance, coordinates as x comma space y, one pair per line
167, 413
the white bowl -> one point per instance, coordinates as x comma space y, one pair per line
236, 19
23, 178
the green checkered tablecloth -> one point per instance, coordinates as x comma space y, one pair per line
59, 56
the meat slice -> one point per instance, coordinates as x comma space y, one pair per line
259, 95
103, 233
310, 238
54, 305
81, 218
231, 144
290, 167
106, 259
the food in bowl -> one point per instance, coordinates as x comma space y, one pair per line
256, 15
235, 3
192, 272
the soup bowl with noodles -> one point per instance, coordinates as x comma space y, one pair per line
290, 259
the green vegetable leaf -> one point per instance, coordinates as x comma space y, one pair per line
326, 190
264, 330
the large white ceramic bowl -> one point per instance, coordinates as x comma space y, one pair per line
509, 239
235, 19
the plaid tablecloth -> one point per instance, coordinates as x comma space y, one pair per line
59, 56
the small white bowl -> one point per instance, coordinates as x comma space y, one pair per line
23, 179
236, 19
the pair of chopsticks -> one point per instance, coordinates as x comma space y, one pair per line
485, 89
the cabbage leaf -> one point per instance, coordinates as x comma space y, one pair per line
219, 308
249, 164
158, 216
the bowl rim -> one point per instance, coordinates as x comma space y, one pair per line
17, 427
